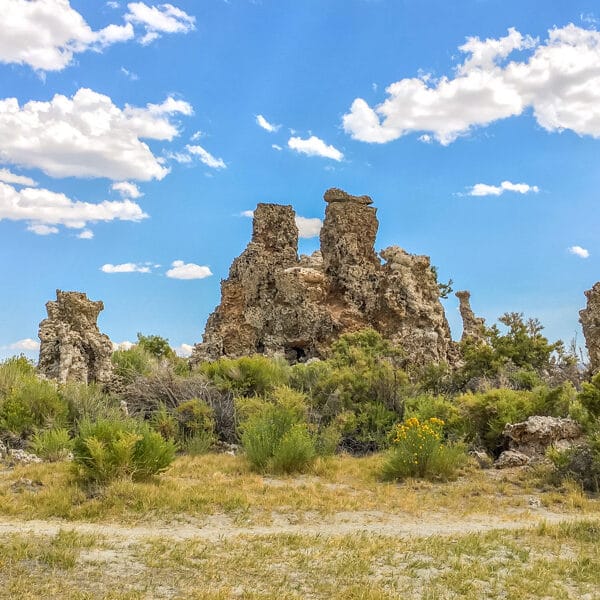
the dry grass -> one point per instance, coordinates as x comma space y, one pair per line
195, 487
561, 562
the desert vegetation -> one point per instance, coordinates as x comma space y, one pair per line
284, 451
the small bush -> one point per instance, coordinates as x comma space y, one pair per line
12, 372
194, 417
420, 452
165, 423
425, 407
247, 376
590, 396
51, 444
295, 451
109, 449
88, 402
33, 404
579, 463
132, 363
198, 444
275, 439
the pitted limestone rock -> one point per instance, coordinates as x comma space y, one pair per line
275, 302
72, 347
589, 318
473, 327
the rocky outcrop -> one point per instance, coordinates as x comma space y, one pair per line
274, 302
589, 318
72, 347
531, 438
473, 327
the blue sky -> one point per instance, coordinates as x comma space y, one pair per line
134, 135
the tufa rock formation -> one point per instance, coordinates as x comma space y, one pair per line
72, 348
274, 302
589, 318
473, 327
529, 440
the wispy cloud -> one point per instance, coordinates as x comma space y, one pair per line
125, 268
483, 189
579, 251
270, 127
314, 146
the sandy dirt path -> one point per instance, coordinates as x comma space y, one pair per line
220, 527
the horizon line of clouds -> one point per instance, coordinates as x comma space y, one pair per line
179, 269
45, 35
559, 81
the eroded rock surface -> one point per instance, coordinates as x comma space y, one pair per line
72, 347
589, 318
473, 327
275, 302
531, 438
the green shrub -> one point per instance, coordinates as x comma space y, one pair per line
109, 449
194, 417
12, 373
132, 363
247, 376
198, 444
580, 463
32, 404
295, 451
165, 423
419, 451
590, 396
367, 429
425, 407
276, 439
156, 346
88, 402
51, 444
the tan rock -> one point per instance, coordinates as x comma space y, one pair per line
72, 347
589, 318
473, 327
275, 302
535, 435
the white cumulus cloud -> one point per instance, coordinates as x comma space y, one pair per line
314, 146
559, 80
156, 20
124, 345
25, 345
86, 234
87, 135
43, 209
127, 189
8, 177
125, 268
483, 189
270, 127
182, 270
45, 34
247, 213
185, 350
206, 157
579, 251
308, 227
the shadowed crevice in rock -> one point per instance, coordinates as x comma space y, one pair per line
274, 302
72, 347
